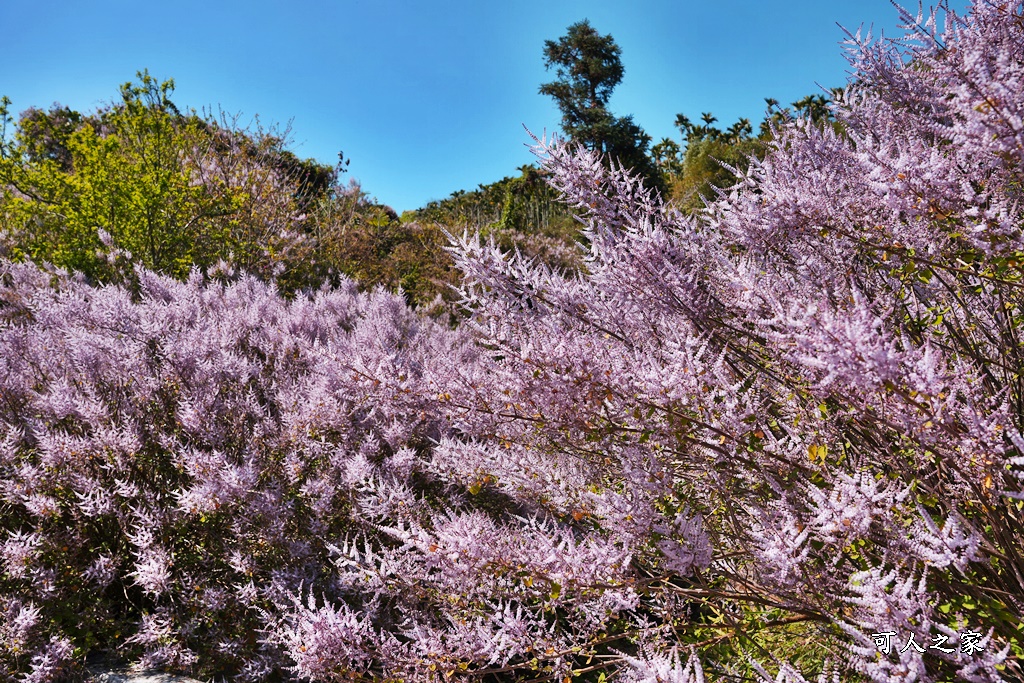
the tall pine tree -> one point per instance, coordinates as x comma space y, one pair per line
588, 67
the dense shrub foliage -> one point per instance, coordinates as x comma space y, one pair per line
746, 442
519, 213
174, 189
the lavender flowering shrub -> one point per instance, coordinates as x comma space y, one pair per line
208, 477
826, 362
174, 467
796, 415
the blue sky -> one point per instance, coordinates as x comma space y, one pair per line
426, 98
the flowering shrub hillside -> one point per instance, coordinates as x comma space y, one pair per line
794, 417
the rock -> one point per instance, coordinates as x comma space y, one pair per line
124, 677
102, 670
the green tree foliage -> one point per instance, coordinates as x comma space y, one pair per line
588, 67
813, 107
707, 159
524, 203
709, 156
518, 212
668, 157
174, 190
367, 242
68, 178
142, 181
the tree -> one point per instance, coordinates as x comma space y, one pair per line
708, 159
68, 178
588, 67
173, 189
711, 158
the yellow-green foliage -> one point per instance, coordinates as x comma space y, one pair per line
182, 190
174, 190
518, 212
709, 157
125, 172
702, 169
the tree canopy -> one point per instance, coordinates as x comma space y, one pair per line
588, 67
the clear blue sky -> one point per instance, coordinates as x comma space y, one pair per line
426, 98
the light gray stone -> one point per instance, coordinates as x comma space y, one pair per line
107, 674
124, 677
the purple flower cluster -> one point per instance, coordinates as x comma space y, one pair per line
826, 360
